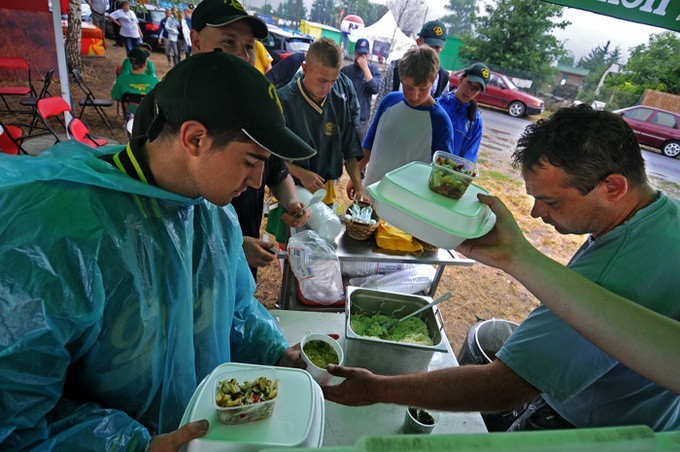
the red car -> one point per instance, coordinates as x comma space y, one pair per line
502, 93
654, 127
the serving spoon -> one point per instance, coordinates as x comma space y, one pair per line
444, 297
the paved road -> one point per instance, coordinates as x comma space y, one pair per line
503, 131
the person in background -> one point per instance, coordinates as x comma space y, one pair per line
98, 8
585, 171
289, 68
126, 19
126, 67
136, 82
168, 36
432, 34
641, 339
462, 109
263, 60
187, 34
323, 120
366, 79
410, 125
184, 34
152, 290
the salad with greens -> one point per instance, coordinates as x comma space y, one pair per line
451, 177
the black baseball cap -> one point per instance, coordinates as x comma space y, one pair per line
220, 90
137, 55
434, 33
478, 72
217, 13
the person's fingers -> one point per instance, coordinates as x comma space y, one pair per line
495, 204
340, 371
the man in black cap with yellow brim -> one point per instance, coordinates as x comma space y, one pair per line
151, 290
215, 24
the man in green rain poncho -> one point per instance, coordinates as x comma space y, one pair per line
124, 281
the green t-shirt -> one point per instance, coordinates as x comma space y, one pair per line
328, 128
135, 84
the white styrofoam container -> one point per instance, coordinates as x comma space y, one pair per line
297, 419
403, 198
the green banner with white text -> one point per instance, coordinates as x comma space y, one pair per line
659, 13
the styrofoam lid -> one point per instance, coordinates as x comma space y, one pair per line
407, 189
288, 426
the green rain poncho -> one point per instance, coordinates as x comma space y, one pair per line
116, 299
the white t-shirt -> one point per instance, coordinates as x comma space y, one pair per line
128, 23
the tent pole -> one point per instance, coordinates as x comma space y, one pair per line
61, 59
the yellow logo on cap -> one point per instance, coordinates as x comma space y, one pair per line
274, 96
438, 31
235, 4
330, 129
485, 72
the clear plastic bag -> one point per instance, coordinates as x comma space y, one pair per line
316, 267
412, 279
322, 219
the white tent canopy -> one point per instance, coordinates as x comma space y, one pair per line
386, 30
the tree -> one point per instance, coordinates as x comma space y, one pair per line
267, 9
409, 14
74, 35
517, 34
568, 59
369, 12
323, 11
598, 60
655, 65
292, 9
461, 22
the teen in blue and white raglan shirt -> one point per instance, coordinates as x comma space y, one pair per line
401, 134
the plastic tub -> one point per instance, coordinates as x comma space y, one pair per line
451, 175
241, 414
320, 374
419, 421
404, 199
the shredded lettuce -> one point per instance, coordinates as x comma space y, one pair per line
412, 330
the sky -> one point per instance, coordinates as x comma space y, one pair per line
587, 30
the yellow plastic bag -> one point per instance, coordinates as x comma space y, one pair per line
390, 238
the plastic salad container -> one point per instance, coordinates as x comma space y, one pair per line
246, 395
451, 175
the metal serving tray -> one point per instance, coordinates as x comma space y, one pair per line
389, 357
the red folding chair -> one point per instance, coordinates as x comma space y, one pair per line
80, 132
10, 140
52, 106
16, 65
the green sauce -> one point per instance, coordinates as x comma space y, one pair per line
320, 353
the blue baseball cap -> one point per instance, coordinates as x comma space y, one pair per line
362, 46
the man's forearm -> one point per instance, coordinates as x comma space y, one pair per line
353, 171
491, 387
285, 191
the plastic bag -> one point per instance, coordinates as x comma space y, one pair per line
322, 219
412, 279
316, 267
365, 268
